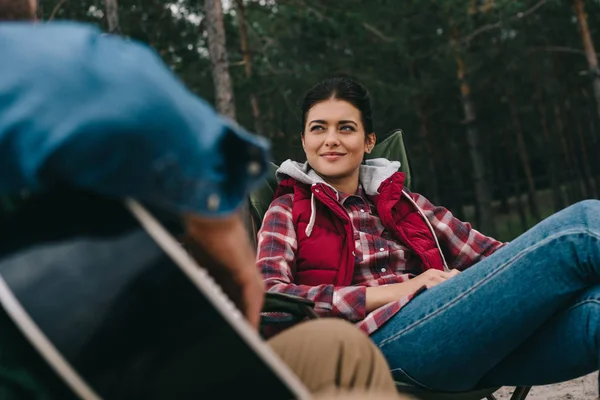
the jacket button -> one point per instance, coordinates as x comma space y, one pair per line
213, 202
254, 168
381, 249
382, 269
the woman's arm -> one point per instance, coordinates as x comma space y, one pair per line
277, 247
379, 296
463, 246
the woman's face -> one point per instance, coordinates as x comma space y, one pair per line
334, 140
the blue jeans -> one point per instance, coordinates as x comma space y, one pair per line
527, 315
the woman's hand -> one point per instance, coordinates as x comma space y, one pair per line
381, 295
433, 277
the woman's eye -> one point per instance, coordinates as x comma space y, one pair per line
347, 128
316, 128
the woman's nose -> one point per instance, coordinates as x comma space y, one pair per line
332, 138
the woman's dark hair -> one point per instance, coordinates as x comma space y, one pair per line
340, 89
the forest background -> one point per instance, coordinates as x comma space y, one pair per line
499, 100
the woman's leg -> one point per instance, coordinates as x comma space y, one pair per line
566, 347
451, 335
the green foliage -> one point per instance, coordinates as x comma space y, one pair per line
525, 51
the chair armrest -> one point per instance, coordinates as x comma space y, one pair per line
290, 304
290, 298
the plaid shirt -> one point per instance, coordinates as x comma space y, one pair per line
380, 260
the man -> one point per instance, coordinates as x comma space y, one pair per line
106, 115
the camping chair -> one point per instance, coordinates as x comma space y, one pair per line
392, 148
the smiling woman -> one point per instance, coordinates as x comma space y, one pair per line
347, 235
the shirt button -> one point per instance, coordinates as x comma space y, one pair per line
213, 202
381, 249
382, 269
361, 210
254, 168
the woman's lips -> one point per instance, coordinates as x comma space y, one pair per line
332, 156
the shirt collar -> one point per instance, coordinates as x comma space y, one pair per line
359, 195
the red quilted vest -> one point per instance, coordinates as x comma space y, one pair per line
326, 256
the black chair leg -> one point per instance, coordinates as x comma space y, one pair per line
520, 392
491, 397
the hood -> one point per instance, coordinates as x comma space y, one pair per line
371, 174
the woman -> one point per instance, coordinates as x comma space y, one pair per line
344, 233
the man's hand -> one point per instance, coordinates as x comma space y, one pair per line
222, 246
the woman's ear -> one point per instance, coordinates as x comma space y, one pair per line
302, 139
370, 142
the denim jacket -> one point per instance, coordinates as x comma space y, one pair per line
101, 113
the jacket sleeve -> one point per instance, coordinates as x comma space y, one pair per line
105, 114
462, 245
277, 247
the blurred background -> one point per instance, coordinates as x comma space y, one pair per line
499, 99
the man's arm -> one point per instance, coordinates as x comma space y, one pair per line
105, 114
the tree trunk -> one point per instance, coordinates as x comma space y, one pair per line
271, 119
499, 172
513, 177
588, 181
215, 28
549, 154
458, 188
247, 57
590, 51
432, 188
595, 164
452, 179
112, 16
579, 181
483, 197
524, 158
569, 164
592, 141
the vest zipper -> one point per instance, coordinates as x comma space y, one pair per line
430, 228
349, 220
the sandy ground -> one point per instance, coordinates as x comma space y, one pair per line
578, 389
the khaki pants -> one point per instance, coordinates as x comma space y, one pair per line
335, 360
